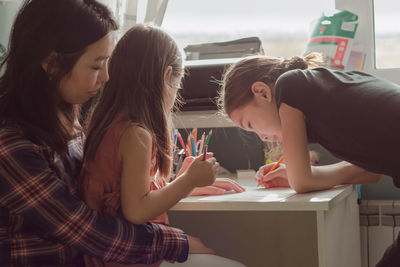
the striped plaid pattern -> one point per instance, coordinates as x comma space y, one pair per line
43, 222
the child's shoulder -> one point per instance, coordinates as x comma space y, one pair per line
290, 77
135, 133
305, 77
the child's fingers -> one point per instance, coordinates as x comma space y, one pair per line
186, 163
210, 155
207, 190
269, 176
268, 184
212, 160
212, 190
259, 174
228, 185
267, 168
215, 167
278, 172
262, 171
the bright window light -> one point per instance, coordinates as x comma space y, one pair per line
387, 33
284, 31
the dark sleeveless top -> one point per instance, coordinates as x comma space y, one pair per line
354, 115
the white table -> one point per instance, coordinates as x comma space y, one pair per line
276, 227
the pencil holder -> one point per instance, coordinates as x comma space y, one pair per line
178, 158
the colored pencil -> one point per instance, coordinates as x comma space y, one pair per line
194, 133
202, 143
208, 137
276, 165
198, 147
189, 146
175, 139
182, 144
193, 145
205, 152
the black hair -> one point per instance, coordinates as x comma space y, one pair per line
27, 92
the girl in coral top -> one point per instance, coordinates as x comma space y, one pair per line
128, 153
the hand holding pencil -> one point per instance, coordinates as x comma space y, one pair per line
194, 148
276, 165
188, 160
266, 177
200, 172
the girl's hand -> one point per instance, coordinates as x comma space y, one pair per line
188, 160
275, 178
197, 247
219, 187
202, 172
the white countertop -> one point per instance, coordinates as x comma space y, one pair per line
258, 198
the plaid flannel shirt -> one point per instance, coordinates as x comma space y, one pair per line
43, 222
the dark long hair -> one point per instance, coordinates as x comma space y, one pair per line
28, 96
136, 88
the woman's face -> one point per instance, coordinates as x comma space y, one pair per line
261, 117
90, 72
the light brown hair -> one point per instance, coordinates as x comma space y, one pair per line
235, 90
136, 87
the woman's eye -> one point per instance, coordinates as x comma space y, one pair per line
96, 68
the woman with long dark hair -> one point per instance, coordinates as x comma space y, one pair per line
57, 59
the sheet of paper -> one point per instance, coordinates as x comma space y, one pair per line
253, 194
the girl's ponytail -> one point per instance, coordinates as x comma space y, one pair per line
294, 63
315, 59
309, 61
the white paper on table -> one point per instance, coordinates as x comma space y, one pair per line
253, 194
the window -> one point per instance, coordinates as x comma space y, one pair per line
283, 26
387, 33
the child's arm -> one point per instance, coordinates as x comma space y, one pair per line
302, 177
219, 187
139, 204
351, 174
